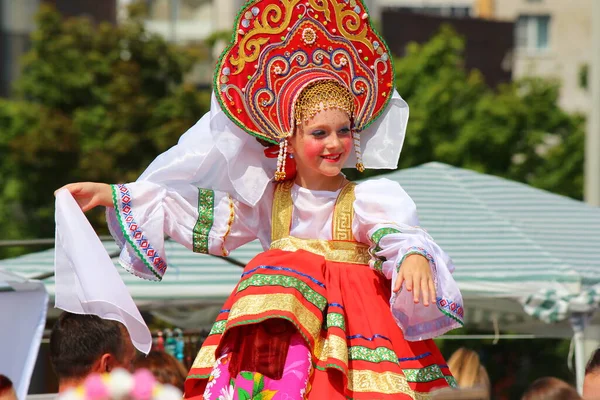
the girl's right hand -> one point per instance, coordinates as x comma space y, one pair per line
90, 194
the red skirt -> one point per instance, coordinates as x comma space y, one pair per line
343, 313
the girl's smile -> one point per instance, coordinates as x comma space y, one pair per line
321, 147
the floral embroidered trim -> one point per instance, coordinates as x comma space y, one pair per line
131, 231
229, 223
378, 235
286, 281
335, 320
293, 271
378, 265
377, 355
451, 381
427, 374
206, 209
451, 308
218, 327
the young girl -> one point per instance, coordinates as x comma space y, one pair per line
345, 299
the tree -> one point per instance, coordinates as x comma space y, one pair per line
93, 103
517, 130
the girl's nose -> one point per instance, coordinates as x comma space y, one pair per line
334, 141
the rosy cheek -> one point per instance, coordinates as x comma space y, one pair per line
313, 148
347, 143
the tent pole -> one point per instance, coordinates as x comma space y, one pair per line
578, 321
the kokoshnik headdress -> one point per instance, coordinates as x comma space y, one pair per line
281, 48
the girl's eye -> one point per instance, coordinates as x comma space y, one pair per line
345, 131
318, 133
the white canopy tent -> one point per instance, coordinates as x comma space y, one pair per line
23, 305
524, 257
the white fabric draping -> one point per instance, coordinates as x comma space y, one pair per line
23, 305
216, 154
86, 279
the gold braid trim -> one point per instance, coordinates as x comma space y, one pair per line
343, 214
281, 215
384, 382
338, 251
229, 223
205, 358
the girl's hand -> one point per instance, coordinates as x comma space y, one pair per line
416, 273
90, 194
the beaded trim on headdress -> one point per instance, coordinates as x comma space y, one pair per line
320, 96
280, 47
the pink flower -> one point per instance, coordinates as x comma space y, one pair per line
143, 385
95, 389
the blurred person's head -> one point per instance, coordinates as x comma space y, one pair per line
84, 344
591, 382
549, 388
121, 385
7, 391
165, 368
466, 368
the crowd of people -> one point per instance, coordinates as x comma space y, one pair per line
470, 374
94, 359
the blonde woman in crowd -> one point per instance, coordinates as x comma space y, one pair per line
466, 368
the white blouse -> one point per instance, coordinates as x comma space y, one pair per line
212, 222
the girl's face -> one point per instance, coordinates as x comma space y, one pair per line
322, 145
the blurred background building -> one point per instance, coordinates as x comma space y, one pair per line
17, 21
550, 38
505, 39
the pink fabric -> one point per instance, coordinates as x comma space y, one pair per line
248, 385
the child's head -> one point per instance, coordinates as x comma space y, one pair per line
591, 382
549, 388
7, 391
322, 139
122, 385
165, 368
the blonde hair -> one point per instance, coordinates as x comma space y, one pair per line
466, 368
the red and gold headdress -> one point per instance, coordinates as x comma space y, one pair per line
280, 47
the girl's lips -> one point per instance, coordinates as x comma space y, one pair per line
332, 158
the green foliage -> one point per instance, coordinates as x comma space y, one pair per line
93, 103
517, 130
100, 102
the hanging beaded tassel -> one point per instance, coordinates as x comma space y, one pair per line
359, 164
280, 172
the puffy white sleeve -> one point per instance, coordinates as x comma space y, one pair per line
386, 219
205, 221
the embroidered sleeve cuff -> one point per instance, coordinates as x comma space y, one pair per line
153, 264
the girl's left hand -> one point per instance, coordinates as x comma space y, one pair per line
416, 273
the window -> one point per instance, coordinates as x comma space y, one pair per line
533, 33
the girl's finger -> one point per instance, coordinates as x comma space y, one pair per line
426, 292
432, 293
399, 281
408, 282
86, 207
417, 290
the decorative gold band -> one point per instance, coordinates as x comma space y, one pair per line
338, 251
